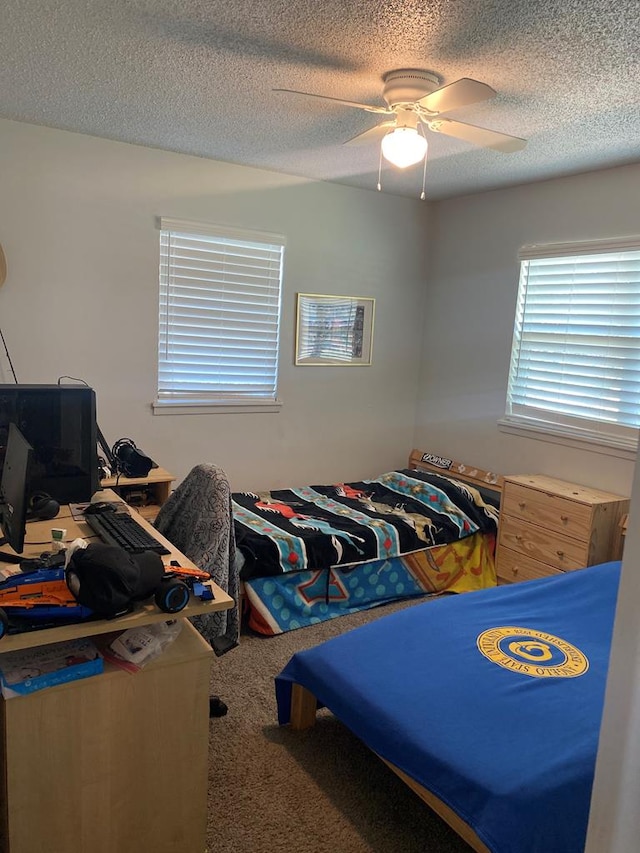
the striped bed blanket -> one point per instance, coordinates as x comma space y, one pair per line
344, 524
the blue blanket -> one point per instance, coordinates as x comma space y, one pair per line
491, 700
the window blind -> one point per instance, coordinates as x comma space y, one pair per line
219, 318
575, 358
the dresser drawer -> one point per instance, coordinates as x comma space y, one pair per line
551, 511
546, 546
512, 566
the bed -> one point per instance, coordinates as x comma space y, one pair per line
487, 705
316, 552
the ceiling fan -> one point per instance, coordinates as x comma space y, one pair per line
415, 103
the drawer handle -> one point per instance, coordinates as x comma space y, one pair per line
560, 553
564, 518
518, 538
515, 570
522, 504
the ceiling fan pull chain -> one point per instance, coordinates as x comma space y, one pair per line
380, 172
424, 180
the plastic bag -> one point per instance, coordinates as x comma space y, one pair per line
136, 647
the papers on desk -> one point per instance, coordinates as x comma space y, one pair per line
27, 670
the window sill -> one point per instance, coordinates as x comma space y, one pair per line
608, 445
167, 407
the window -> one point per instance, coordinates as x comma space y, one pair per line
219, 317
575, 361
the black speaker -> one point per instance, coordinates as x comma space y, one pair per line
130, 460
42, 506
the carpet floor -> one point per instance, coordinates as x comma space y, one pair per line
273, 790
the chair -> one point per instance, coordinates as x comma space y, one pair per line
198, 520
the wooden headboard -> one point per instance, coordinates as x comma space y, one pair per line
421, 461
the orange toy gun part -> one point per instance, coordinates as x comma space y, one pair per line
186, 572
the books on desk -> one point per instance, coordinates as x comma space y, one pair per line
27, 670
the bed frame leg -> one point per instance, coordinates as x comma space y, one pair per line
303, 708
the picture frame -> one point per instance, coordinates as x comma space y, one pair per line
334, 331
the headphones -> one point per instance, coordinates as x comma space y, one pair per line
130, 460
42, 506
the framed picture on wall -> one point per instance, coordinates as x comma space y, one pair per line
334, 330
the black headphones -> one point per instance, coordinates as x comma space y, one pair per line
42, 506
130, 460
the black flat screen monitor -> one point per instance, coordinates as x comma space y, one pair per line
59, 422
14, 489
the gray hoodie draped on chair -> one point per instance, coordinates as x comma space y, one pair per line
198, 520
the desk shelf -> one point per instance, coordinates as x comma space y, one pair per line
146, 494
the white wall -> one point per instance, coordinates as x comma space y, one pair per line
614, 821
472, 289
77, 222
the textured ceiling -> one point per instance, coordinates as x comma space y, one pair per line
196, 76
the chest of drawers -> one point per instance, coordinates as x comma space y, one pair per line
549, 526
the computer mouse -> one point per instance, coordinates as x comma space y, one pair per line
99, 507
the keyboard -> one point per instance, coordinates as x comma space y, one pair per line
119, 528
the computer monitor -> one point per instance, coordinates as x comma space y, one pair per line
14, 489
59, 422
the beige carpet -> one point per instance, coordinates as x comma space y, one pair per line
273, 790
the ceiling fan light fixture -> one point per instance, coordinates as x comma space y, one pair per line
404, 146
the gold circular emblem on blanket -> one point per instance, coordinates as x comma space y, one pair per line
531, 652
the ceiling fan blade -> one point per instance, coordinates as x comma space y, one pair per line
477, 135
367, 107
460, 93
371, 135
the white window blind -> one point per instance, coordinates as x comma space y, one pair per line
575, 363
219, 315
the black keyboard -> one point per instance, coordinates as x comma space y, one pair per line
119, 528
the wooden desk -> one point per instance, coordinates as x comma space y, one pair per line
116, 763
